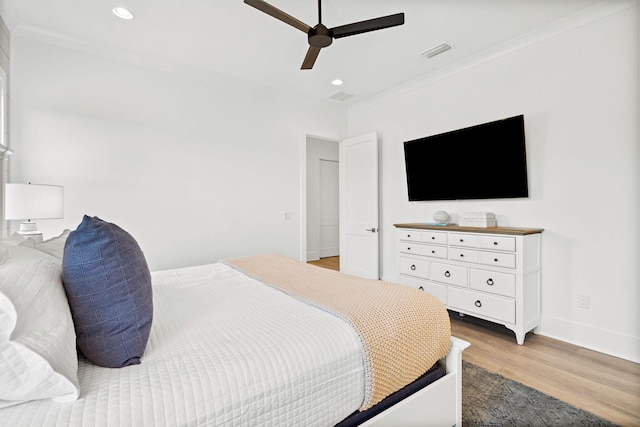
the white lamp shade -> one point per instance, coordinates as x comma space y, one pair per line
34, 201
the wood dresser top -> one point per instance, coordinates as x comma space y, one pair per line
453, 227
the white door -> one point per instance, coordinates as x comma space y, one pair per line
359, 243
329, 212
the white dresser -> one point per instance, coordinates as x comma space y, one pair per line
489, 273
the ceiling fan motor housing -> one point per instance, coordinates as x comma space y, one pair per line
320, 36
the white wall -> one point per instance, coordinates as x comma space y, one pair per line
5, 153
578, 91
195, 169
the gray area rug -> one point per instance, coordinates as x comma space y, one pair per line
489, 399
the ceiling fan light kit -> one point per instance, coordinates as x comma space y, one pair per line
320, 36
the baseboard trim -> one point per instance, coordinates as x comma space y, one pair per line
392, 279
604, 341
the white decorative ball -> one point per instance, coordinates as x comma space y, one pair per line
441, 217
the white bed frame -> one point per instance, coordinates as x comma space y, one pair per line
438, 404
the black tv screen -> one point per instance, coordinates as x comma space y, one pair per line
486, 161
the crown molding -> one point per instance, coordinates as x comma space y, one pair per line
10, 14
157, 63
592, 14
103, 49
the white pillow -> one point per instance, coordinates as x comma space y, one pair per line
37, 337
13, 240
53, 246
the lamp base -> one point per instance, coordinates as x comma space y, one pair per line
28, 226
29, 230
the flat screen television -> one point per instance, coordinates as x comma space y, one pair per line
487, 161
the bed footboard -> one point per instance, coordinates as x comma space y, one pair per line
438, 404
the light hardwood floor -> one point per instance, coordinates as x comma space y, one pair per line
332, 263
604, 385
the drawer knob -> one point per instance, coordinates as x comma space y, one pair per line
433, 252
495, 259
421, 288
478, 303
413, 266
408, 249
461, 240
433, 237
495, 243
461, 255
490, 282
447, 274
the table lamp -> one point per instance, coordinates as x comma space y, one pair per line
33, 201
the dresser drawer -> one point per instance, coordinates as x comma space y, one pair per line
435, 251
438, 291
492, 281
497, 259
451, 274
438, 237
414, 267
410, 248
460, 254
500, 243
409, 235
494, 307
463, 239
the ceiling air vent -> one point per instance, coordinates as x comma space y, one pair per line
341, 96
437, 50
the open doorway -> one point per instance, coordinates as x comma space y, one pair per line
322, 201
358, 201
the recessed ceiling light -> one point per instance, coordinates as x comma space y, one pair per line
337, 82
123, 12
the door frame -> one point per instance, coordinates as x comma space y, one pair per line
302, 255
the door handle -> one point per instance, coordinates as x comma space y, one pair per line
373, 230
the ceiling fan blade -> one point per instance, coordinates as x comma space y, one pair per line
310, 58
278, 14
368, 25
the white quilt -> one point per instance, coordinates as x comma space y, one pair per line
225, 350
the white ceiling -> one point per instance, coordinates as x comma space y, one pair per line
232, 38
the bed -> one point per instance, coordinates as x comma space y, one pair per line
234, 343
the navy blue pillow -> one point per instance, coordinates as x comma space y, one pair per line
108, 286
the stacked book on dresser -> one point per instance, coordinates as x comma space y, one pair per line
478, 219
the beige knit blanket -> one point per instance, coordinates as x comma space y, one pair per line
403, 331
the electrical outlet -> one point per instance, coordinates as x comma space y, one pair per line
583, 301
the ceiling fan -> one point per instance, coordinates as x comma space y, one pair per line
321, 36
